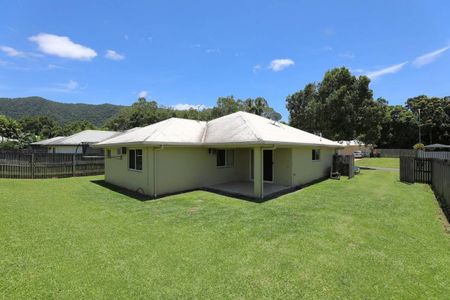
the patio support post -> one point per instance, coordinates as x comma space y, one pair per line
258, 185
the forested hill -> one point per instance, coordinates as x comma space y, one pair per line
18, 108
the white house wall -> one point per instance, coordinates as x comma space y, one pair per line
306, 170
118, 173
179, 169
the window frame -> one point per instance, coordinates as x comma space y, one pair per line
228, 158
315, 154
135, 157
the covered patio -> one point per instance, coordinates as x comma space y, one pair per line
246, 189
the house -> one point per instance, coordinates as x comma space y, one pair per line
354, 145
75, 144
240, 154
5, 139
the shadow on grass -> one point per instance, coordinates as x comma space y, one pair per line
123, 191
141, 197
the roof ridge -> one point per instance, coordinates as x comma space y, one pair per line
204, 132
252, 128
169, 121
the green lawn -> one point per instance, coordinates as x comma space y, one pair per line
369, 237
382, 162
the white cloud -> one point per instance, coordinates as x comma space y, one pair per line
429, 57
280, 64
182, 106
357, 70
111, 54
71, 85
142, 94
212, 50
62, 46
347, 55
11, 51
389, 70
256, 68
68, 87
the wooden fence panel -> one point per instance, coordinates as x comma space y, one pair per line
407, 169
441, 181
414, 153
422, 170
48, 165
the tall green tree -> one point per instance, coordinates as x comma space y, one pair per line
9, 128
341, 107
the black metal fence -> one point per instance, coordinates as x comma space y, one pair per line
46, 165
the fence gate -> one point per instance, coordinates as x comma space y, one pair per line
414, 169
422, 170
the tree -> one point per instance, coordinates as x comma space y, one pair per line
77, 126
434, 117
42, 126
340, 107
9, 128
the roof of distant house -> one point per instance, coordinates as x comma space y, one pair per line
48, 141
86, 136
237, 128
351, 143
432, 146
5, 139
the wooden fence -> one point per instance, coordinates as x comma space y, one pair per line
435, 172
440, 181
45, 165
445, 155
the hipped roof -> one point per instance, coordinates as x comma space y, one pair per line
236, 128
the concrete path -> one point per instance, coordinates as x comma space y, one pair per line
379, 168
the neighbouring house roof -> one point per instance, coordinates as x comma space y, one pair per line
432, 146
48, 141
86, 136
5, 139
236, 128
351, 143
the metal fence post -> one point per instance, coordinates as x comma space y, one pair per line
32, 165
73, 164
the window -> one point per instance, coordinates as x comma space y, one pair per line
316, 154
225, 158
108, 153
135, 159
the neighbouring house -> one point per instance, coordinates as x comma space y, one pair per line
78, 143
437, 147
240, 154
354, 145
5, 139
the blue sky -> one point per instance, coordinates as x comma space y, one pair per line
191, 52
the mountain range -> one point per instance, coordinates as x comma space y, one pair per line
18, 108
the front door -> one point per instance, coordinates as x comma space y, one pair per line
268, 165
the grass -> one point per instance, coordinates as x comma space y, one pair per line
369, 237
381, 162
